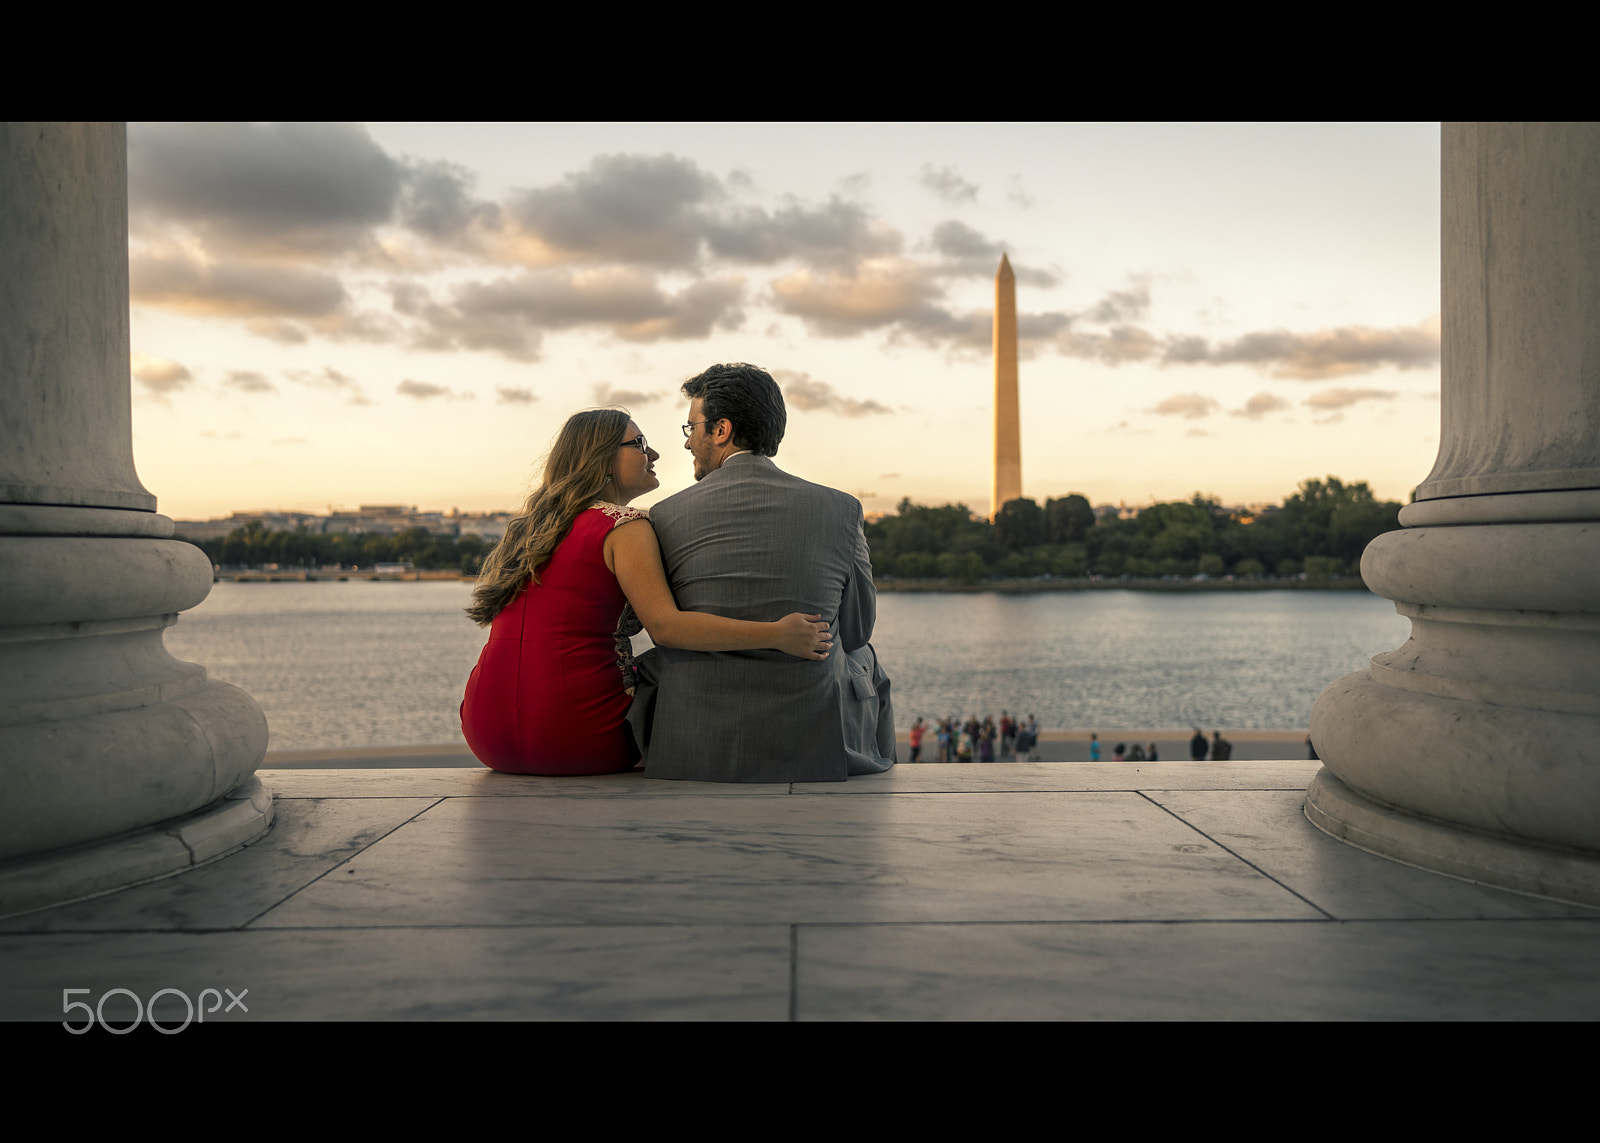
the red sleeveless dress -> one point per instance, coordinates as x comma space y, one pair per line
553, 683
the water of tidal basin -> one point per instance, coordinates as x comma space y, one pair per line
384, 664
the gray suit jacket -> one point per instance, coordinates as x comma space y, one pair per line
752, 542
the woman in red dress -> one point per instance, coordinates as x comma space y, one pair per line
575, 575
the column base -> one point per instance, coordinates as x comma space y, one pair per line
39, 881
1441, 847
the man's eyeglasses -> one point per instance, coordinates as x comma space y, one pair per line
688, 430
639, 443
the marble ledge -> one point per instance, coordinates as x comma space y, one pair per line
923, 778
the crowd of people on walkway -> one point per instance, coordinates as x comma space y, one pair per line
988, 740
975, 740
1122, 752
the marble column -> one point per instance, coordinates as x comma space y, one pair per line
102, 732
1007, 418
1474, 748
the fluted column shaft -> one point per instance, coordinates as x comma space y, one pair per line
101, 730
1487, 721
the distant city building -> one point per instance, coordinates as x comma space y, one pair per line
367, 520
487, 526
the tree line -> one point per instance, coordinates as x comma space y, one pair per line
254, 545
1320, 531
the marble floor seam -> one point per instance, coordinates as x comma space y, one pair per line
1238, 856
286, 898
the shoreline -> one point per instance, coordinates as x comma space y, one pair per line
902, 586
1030, 586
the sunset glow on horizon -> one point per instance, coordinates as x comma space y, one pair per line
334, 315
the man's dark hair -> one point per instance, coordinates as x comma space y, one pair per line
749, 398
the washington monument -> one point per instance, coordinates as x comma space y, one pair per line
1007, 421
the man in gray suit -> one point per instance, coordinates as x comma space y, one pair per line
751, 542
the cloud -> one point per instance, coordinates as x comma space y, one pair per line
160, 375
511, 315
664, 211
312, 192
901, 297
271, 188
1260, 405
801, 391
628, 208
966, 251
1313, 356
873, 294
510, 396
857, 184
275, 329
836, 235
253, 222
691, 313
329, 378
955, 239
257, 223
1186, 350
1190, 406
1120, 305
297, 192
902, 294
1114, 347
437, 202
948, 185
186, 284
604, 394
1337, 398
933, 325
1333, 352
249, 381
427, 390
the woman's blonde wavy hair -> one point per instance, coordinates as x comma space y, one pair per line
575, 472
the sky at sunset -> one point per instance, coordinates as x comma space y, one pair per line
334, 314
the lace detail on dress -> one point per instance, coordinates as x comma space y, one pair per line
628, 626
620, 514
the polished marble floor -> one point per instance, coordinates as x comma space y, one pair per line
1169, 891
